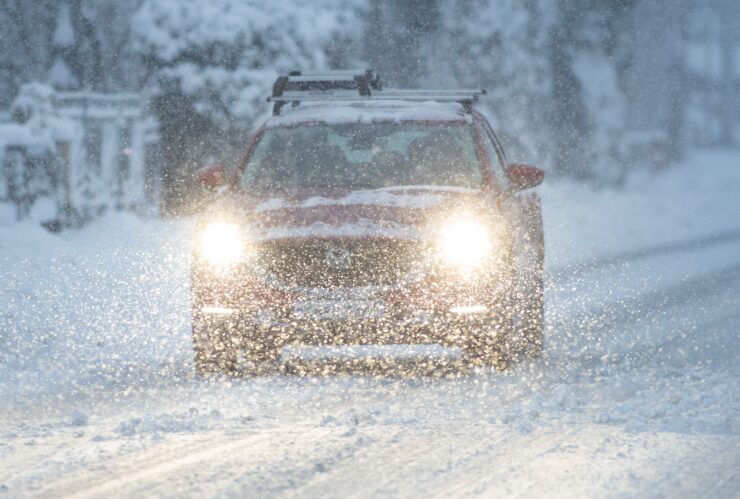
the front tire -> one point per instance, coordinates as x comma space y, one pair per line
213, 350
532, 335
528, 340
484, 343
217, 345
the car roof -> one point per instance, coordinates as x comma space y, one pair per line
370, 112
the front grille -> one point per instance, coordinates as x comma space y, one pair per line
342, 263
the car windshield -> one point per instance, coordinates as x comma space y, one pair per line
364, 156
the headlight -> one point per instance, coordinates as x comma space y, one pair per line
465, 243
221, 244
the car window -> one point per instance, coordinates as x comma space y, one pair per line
493, 151
364, 156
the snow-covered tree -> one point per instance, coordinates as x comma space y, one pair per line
588, 100
94, 36
226, 54
63, 42
657, 80
397, 38
25, 44
31, 177
712, 47
502, 47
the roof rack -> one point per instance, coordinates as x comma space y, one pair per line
355, 86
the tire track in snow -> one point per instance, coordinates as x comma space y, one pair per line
602, 457
397, 454
248, 460
478, 476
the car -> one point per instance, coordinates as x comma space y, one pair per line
363, 216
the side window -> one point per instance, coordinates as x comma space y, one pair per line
496, 154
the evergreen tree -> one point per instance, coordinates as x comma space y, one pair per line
61, 75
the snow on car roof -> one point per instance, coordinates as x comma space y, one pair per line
370, 112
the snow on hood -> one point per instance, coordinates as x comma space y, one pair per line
403, 212
377, 197
395, 212
370, 112
360, 228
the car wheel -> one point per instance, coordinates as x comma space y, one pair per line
213, 350
533, 322
217, 347
528, 339
260, 356
484, 343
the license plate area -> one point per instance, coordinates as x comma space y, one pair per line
339, 310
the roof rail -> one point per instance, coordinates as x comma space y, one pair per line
320, 81
355, 86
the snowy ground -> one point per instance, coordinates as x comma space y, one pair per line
638, 393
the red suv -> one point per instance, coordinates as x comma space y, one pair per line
363, 216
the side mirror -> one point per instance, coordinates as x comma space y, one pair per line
211, 177
524, 176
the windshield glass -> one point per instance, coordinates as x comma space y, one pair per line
364, 156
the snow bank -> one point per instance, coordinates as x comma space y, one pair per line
91, 307
695, 199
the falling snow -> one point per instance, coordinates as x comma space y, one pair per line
348, 305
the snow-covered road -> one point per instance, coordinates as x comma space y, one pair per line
638, 393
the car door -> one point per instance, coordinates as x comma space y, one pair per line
522, 209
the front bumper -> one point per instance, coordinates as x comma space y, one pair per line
355, 319
431, 311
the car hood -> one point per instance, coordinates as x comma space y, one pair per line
398, 212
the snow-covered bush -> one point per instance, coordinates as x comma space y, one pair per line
66, 158
31, 154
